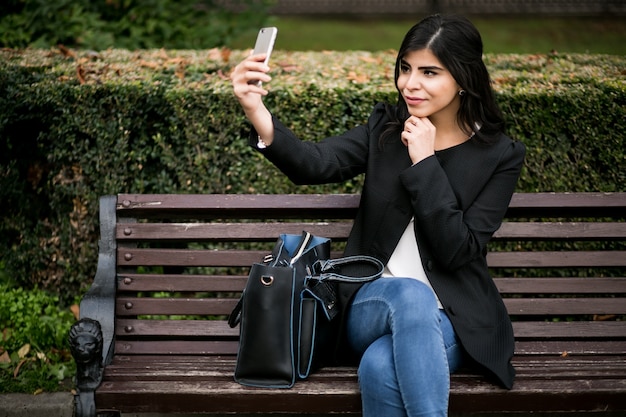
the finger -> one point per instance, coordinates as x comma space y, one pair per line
404, 138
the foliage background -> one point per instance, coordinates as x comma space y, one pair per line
78, 125
131, 24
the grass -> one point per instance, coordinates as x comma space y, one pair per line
523, 35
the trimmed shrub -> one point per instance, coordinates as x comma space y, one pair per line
77, 125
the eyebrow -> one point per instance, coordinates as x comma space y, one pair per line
431, 67
424, 68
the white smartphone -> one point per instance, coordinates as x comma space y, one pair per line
265, 44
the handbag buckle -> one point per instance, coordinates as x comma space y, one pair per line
267, 280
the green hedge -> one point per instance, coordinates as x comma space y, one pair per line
75, 126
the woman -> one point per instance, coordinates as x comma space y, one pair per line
439, 175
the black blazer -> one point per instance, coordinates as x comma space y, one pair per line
458, 198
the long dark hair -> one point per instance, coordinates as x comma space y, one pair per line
457, 44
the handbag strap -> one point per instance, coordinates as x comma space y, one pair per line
235, 316
330, 269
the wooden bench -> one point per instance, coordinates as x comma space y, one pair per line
171, 268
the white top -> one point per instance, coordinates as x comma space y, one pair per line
405, 260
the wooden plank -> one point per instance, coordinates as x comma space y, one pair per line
191, 257
558, 259
561, 231
236, 283
180, 283
565, 306
600, 330
593, 348
226, 396
208, 329
524, 330
134, 306
226, 206
176, 347
245, 258
232, 232
345, 205
166, 368
340, 230
188, 257
566, 285
567, 205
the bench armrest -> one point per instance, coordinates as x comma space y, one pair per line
99, 302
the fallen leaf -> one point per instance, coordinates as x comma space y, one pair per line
180, 71
148, 64
358, 78
5, 358
226, 54
75, 309
16, 371
80, 73
370, 59
68, 53
23, 351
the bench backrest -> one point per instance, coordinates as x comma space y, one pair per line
182, 261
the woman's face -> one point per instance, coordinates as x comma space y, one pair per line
428, 89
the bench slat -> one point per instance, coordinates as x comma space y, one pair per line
132, 306
569, 347
177, 347
340, 230
191, 257
565, 306
522, 329
562, 230
222, 347
224, 258
215, 329
236, 283
226, 206
220, 232
570, 330
273, 206
557, 259
181, 283
589, 204
563, 367
567, 285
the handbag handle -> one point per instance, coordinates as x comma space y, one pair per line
330, 269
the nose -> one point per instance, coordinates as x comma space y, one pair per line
413, 82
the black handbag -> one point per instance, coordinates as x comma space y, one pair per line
288, 310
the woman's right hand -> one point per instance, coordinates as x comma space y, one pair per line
249, 93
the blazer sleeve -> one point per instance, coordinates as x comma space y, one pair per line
333, 159
457, 223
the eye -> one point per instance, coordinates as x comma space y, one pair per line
430, 73
404, 68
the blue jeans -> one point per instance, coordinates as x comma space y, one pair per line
408, 346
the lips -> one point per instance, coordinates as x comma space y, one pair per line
413, 101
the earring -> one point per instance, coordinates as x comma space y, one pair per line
461, 93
